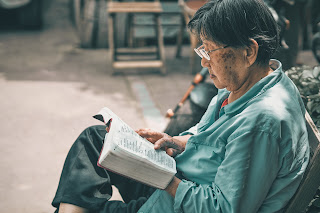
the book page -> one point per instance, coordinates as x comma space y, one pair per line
129, 140
123, 136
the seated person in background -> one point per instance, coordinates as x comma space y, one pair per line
247, 154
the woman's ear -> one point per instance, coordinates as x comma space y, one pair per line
252, 52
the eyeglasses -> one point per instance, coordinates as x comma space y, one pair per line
202, 53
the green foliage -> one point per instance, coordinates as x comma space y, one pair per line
307, 80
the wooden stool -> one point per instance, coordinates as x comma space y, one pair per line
126, 58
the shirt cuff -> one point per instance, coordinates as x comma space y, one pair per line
182, 190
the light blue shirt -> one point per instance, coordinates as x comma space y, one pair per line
247, 157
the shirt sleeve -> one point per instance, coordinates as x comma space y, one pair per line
242, 181
192, 131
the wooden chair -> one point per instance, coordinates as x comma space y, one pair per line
127, 58
189, 8
311, 179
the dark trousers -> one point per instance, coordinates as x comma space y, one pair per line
86, 185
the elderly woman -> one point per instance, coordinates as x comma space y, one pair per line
247, 154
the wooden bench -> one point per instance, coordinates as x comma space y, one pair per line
311, 179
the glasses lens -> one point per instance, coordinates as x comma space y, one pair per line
204, 54
199, 53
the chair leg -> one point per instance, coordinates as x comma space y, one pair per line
194, 43
180, 37
130, 30
111, 31
160, 43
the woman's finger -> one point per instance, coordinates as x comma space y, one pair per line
172, 152
143, 129
149, 133
166, 142
152, 140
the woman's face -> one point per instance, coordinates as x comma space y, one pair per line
227, 67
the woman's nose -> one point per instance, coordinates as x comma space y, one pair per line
204, 62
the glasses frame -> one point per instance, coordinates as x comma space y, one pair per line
204, 54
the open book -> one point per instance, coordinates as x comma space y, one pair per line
127, 153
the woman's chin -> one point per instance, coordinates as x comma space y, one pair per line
216, 82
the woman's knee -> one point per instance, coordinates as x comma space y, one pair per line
99, 130
91, 140
93, 134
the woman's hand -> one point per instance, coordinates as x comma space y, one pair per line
172, 145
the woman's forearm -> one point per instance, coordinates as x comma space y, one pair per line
173, 186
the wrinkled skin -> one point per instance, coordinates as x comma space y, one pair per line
172, 145
234, 68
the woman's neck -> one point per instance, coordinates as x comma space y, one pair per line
256, 74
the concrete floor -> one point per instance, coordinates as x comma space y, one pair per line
49, 90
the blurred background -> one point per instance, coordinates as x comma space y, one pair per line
56, 72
